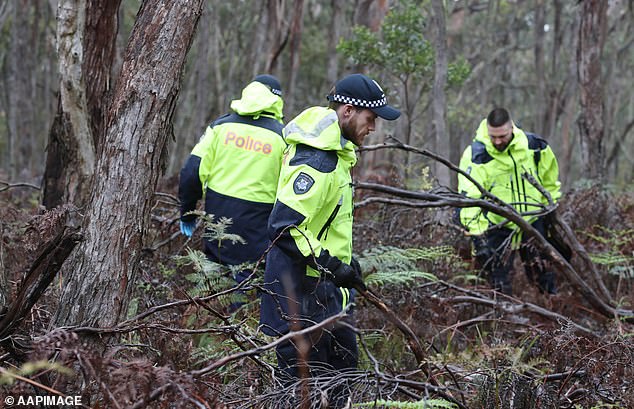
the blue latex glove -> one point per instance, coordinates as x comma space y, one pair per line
187, 228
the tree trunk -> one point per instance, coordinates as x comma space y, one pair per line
101, 273
540, 108
295, 44
19, 110
86, 35
196, 109
259, 39
370, 13
332, 70
276, 37
589, 51
556, 94
438, 91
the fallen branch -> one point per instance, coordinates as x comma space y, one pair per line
453, 199
516, 308
45, 267
412, 339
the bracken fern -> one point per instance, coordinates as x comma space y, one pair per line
423, 404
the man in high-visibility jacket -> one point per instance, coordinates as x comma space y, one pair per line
236, 164
310, 271
498, 157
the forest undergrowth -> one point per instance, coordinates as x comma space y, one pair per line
183, 345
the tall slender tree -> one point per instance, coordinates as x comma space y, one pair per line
438, 97
592, 32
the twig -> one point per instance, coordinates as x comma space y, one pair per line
8, 185
256, 351
513, 308
173, 199
122, 330
412, 339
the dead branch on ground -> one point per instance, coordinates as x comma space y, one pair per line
489, 202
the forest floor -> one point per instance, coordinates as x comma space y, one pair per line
483, 350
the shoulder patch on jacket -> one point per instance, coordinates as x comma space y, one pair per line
322, 161
479, 154
302, 184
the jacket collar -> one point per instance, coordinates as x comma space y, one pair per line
319, 127
518, 143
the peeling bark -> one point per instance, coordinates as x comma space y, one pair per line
101, 274
86, 35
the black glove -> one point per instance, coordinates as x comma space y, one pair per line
354, 263
346, 276
340, 273
359, 284
483, 252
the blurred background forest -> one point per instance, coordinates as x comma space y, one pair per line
141, 320
519, 54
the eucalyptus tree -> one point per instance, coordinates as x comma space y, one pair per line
100, 275
86, 34
592, 32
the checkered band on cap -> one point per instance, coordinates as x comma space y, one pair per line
344, 99
276, 91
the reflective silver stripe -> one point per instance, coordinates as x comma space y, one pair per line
292, 128
325, 122
321, 126
343, 141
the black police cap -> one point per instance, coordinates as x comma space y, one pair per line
271, 82
361, 91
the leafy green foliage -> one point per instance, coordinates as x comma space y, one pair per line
458, 72
400, 46
216, 230
398, 277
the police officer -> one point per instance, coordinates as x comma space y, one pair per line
236, 164
310, 271
499, 155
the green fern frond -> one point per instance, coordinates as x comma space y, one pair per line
611, 259
217, 230
394, 259
209, 277
423, 404
623, 271
211, 348
10, 375
398, 277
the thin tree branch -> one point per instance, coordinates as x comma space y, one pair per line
8, 185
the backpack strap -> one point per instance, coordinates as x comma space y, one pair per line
537, 144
